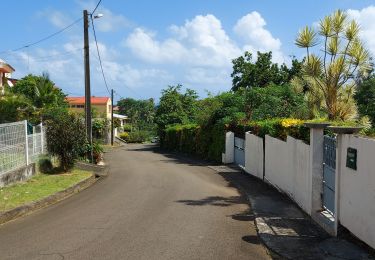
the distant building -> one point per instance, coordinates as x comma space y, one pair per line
5, 75
101, 106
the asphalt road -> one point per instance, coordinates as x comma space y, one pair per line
153, 205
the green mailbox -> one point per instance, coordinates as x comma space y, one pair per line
351, 158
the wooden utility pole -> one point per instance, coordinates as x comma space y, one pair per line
87, 82
112, 116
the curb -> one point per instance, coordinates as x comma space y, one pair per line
52, 199
99, 170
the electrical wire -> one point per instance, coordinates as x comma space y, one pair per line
45, 58
45, 38
100, 59
97, 5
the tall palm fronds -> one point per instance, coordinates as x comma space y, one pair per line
334, 74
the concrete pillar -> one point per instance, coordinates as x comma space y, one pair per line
316, 168
228, 156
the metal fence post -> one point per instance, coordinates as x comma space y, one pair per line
41, 137
26, 144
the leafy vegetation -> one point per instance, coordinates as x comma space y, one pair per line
332, 78
66, 137
365, 97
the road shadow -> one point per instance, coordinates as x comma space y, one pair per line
213, 201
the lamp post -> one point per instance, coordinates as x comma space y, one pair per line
86, 48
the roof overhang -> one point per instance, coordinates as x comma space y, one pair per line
120, 116
6, 68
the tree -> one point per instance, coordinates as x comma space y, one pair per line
275, 102
262, 72
140, 112
41, 91
66, 136
344, 59
14, 107
365, 97
176, 107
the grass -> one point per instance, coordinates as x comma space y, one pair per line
38, 187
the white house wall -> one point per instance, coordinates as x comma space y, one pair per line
357, 189
254, 155
288, 168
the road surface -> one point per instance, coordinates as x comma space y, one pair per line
153, 205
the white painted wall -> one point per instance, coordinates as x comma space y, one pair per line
288, 168
357, 189
228, 156
254, 155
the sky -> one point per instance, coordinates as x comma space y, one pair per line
147, 45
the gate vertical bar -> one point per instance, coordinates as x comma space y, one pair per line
26, 144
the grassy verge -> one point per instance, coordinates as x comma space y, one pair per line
39, 187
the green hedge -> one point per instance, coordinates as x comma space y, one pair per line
207, 142
278, 128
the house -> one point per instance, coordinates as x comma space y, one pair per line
101, 106
5, 74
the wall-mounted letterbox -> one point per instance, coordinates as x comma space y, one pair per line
351, 158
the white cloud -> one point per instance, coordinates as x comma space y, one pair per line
144, 45
110, 21
203, 41
366, 19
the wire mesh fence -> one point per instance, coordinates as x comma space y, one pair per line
17, 147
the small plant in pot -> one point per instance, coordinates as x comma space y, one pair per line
97, 152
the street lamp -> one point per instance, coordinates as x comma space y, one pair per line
87, 78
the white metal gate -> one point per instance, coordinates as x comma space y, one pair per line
329, 173
239, 151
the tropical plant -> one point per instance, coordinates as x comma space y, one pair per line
66, 136
333, 76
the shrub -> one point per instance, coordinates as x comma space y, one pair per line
139, 136
97, 151
206, 142
127, 127
280, 128
124, 136
45, 165
66, 137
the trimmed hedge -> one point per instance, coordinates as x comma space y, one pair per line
205, 142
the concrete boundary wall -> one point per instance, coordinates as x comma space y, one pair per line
357, 189
254, 155
287, 167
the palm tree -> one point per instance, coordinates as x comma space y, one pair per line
344, 59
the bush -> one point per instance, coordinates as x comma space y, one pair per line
280, 128
66, 137
97, 152
139, 136
127, 127
45, 165
206, 142
124, 136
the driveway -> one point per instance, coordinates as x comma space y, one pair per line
153, 205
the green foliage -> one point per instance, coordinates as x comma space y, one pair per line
127, 127
100, 127
140, 112
124, 136
45, 165
139, 136
275, 102
205, 142
15, 107
365, 97
280, 128
176, 107
262, 72
66, 137
332, 73
97, 152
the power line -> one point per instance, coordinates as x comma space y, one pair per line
46, 58
45, 38
100, 59
97, 5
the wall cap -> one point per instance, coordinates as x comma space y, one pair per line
317, 125
345, 129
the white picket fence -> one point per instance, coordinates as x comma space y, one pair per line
17, 147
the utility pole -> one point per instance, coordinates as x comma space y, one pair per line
87, 82
112, 116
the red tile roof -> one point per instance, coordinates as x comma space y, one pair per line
81, 100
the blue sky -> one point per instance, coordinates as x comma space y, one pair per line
147, 45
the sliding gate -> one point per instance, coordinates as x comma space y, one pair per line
329, 173
239, 151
